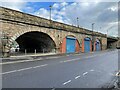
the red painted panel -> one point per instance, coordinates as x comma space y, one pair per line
91, 45
94, 46
63, 46
77, 46
83, 45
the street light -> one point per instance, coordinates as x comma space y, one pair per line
92, 37
107, 32
92, 26
77, 21
50, 11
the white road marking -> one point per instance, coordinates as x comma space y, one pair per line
117, 74
92, 70
36, 66
70, 60
67, 82
43, 65
22, 69
77, 77
91, 56
76, 59
51, 57
19, 61
8, 72
85, 73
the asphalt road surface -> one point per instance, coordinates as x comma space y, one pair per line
90, 70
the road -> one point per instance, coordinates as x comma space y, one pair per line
90, 70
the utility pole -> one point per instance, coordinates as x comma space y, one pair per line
92, 26
107, 32
50, 11
92, 36
77, 22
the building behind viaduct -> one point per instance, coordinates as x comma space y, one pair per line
32, 32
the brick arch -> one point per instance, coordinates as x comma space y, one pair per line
83, 44
18, 34
63, 44
95, 43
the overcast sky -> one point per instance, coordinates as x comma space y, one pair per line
103, 14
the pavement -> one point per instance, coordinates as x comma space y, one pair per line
89, 70
39, 56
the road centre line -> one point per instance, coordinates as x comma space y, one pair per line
36, 66
8, 72
77, 77
23, 69
85, 73
92, 70
70, 60
52, 57
18, 61
67, 82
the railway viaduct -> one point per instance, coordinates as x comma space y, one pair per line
35, 33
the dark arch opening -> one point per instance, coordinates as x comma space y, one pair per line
35, 40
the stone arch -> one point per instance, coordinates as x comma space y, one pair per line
97, 40
63, 44
20, 33
83, 49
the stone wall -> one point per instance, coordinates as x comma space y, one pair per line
15, 24
15, 16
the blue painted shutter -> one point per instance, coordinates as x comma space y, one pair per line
87, 44
70, 44
97, 46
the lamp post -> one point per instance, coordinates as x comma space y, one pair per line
92, 36
50, 11
77, 22
107, 32
92, 26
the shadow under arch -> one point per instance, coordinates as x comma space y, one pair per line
35, 40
